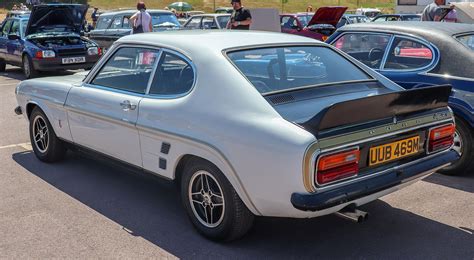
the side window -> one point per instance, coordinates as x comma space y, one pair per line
117, 23
15, 28
367, 48
126, 22
174, 76
103, 22
6, 28
129, 69
288, 22
194, 23
209, 23
406, 54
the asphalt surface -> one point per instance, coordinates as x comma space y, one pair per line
82, 208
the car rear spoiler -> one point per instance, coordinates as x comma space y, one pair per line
379, 107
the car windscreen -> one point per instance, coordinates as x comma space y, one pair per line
164, 20
277, 69
304, 19
467, 40
223, 20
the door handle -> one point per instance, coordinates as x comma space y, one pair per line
126, 105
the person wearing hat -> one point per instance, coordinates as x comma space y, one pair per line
240, 18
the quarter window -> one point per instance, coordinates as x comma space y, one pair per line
467, 40
129, 69
367, 48
174, 76
406, 54
6, 28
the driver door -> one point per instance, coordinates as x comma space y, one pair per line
103, 112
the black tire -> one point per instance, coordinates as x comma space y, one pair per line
47, 146
3, 65
465, 164
234, 220
28, 69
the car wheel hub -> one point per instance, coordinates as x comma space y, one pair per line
40, 134
457, 143
206, 199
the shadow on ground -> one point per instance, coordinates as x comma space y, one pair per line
150, 208
464, 183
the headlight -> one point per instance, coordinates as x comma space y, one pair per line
45, 54
93, 51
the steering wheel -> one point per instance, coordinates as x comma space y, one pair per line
373, 53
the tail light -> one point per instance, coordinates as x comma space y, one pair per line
441, 138
337, 166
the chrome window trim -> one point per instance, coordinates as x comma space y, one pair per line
317, 152
447, 76
434, 50
391, 35
174, 96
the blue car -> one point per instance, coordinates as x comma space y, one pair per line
49, 40
421, 54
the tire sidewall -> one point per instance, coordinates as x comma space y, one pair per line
466, 136
220, 232
32, 72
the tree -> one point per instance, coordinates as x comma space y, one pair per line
283, 2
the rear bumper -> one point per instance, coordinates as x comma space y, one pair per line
327, 199
56, 64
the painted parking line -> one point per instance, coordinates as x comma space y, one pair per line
9, 84
26, 146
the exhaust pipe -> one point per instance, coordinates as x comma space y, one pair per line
353, 214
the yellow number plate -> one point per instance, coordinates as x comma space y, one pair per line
393, 151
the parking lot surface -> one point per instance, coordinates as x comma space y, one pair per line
82, 208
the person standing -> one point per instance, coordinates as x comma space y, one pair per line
94, 17
434, 12
241, 19
141, 20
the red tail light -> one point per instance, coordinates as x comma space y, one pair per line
39, 54
100, 51
441, 138
337, 166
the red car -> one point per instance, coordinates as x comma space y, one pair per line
318, 26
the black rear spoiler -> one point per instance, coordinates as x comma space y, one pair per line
379, 107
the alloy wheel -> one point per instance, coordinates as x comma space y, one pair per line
40, 134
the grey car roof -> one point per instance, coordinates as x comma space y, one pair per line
424, 29
211, 14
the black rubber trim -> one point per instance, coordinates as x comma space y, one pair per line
350, 192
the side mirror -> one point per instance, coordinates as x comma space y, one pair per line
13, 37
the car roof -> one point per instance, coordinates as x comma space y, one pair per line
132, 11
192, 42
423, 29
211, 14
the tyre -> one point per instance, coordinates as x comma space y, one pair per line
464, 145
3, 65
28, 69
212, 204
46, 145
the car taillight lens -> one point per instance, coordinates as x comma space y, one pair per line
337, 166
441, 138
45, 54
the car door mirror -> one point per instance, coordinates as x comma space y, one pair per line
13, 37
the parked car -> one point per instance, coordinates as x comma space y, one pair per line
420, 54
113, 25
207, 21
224, 10
369, 12
352, 18
397, 17
184, 17
318, 26
49, 40
247, 123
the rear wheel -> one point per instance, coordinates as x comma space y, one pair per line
3, 65
464, 146
212, 204
28, 68
46, 145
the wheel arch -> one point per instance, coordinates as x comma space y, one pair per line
218, 160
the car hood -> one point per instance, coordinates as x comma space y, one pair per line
328, 15
63, 17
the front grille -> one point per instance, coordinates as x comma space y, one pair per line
72, 52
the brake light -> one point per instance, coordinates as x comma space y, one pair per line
337, 166
441, 138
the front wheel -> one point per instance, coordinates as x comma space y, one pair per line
212, 204
28, 69
464, 146
46, 145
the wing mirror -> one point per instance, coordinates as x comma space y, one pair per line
13, 37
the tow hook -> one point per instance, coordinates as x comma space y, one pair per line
353, 214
